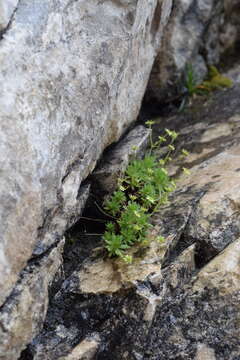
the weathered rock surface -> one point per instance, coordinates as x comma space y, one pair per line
114, 163
7, 8
230, 28
179, 299
199, 33
202, 322
72, 78
23, 313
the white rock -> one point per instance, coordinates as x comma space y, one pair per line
7, 8
72, 78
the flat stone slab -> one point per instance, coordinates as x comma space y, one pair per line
114, 163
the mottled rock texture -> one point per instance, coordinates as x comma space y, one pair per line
22, 315
199, 33
73, 74
7, 8
179, 299
230, 28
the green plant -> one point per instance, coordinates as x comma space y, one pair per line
215, 81
141, 191
190, 80
192, 87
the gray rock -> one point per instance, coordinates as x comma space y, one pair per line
230, 28
121, 294
72, 78
203, 321
200, 33
180, 46
23, 313
7, 8
178, 299
114, 163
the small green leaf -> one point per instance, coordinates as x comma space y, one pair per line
160, 239
172, 134
127, 259
162, 139
171, 147
184, 152
150, 122
186, 171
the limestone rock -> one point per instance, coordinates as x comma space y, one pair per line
200, 33
181, 45
72, 78
230, 28
23, 313
7, 8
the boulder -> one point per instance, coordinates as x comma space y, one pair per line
72, 78
7, 8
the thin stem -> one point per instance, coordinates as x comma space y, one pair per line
151, 140
91, 234
93, 219
103, 212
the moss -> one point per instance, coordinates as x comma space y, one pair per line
215, 81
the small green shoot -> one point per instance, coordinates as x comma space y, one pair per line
193, 87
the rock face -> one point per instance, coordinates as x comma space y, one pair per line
7, 8
73, 75
199, 33
72, 78
179, 299
229, 37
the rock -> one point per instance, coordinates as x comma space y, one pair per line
206, 204
64, 220
204, 321
23, 313
122, 293
7, 8
72, 78
199, 33
233, 73
180, 298
230, 29
114, 163
84, 351
181, 46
